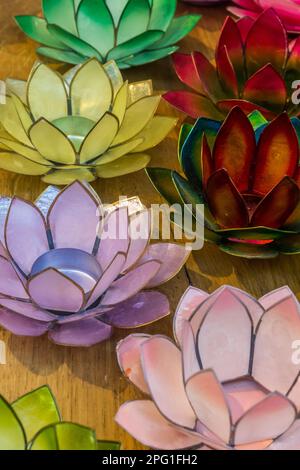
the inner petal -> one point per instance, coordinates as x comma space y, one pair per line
76, 264
75, 128
242, 394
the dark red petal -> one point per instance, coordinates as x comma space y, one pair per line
206, 161
226, 105
293, 64
231, 38
193, 105
225, 202
244, 25
186, 71
266, 43
226, 72
266, 88
235, 148
297, 176
277, 154
277, 205
208, 76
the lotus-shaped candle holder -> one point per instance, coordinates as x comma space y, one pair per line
247, 180
131, 32
73, 269
233, 375
256, 68
287, 10
33, 422
85, 124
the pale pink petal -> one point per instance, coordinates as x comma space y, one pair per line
131, 283
242, 395
162, 367
209, 403
265, 420
54, 291
279, 328
253, 306
139, 234
225, 337
73, 218
129, 359
191, 299
189, 356
275, 296
108, 276
144, 422
20, 325
294, 394
199, 313
25, 234
261, 445
84, 333
173, 257
27, 309
10, 283
290, 440
114, 236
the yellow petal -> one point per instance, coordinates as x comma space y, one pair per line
99, 138
137, 116
22, 112
119, 151
11, 122
138, 90
120, 103
52, 143
18, 87
68, 176
157, 129
91, 91
114, 74
123, 166
46, 94
27, 152
19, 164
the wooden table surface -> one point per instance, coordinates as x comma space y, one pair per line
87, 382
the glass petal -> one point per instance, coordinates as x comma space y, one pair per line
162, 13
116, 9
99, 138
61, 13
27, 152
69, 57
134, 45
12, 436
231, 38
12, 123
18, 164
193, 104
120, 103
10, 283
134, 20
68, 176
139, 231
22, 326
154, 132
36, 29
73, 42
250, 251
128, 164
84, 333
22, 112
178, 29
118, 151
147, 57
185, 69
65, 436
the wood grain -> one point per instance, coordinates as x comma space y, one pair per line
87, 383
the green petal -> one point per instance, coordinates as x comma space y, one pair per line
95, 25
244, 250
36, 410
257, 119
52, 143
116, 9
60, 12
74, 42
163, 182
183, 134
99, 139
36, 29
65, 436
147, 57
254, 233
289, 245
63, 177
178, 29
137, 116
162, 14
123, 166
61, 56
134, 45
91, 91
46, 94
108, 445
18, 164
12, 436
134, 20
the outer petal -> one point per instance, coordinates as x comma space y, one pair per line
231, 38
190, 361
277, 155
191, 299
290, 440
73, 218
234, 148
226, 105
129, 359
162, 366
209, 402
208, 75
192, 104
139, 234
225, 337
10, 283
20, 325
266, 420
143, 421
27, 310
25, 234
173, 257
54, 291
226, 72
186, 71
141, 309
82, 333
244, 25
272, 358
